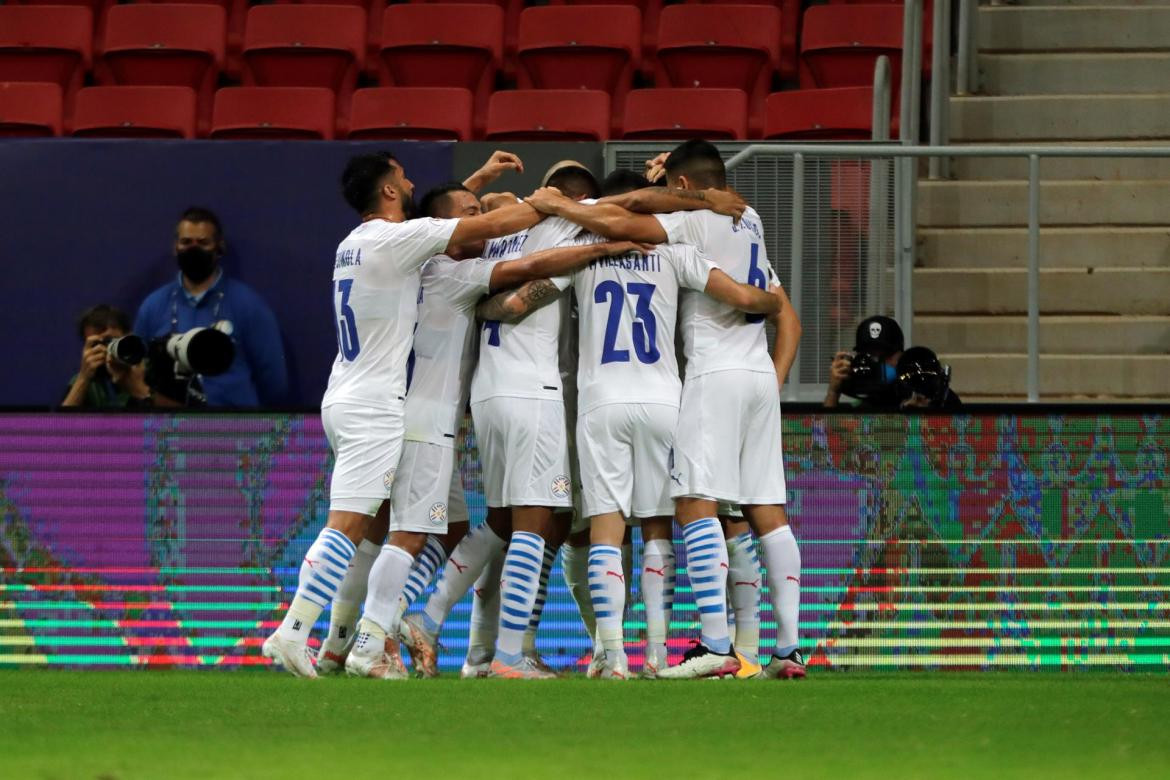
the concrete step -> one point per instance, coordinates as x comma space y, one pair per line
1062, 203
1066, 168
1062, 291
1060, 117
1075, 73
1060, 247
1052, 27
1064, 376
1091, 335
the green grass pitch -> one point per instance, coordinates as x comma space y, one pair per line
122, 725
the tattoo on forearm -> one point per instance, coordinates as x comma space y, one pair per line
535, 293
493, 307
687, 194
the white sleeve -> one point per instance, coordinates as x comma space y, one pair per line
684, 227
693, 267
466, 281
417, 240
562, 282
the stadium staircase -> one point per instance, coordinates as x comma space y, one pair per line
1069, 73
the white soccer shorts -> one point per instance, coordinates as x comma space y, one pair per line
523, 451
728, 443
367, 445
625, 452
428, 491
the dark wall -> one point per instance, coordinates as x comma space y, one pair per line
86, 222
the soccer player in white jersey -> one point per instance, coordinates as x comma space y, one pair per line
629, 391
375, 298
728, 444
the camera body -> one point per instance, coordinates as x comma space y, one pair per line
870, 378
129, 350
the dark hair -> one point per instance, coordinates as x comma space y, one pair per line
436, 200
361, 179
575, 182
201, 214
700, 162
622, 181
102, 317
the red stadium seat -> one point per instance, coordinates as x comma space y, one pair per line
412, 113
681, 114
444, 45
169, 44
651, 11
97, 7
722, 46
135, 112
548, 115
927, 24
47, 44
236, 11
581, 47
789, 30
260, 113
839, 43
833, 114
29, 109
512, 9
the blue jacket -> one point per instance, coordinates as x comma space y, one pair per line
258, 374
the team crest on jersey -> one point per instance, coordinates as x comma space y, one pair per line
388, 479
561, 486
438, 513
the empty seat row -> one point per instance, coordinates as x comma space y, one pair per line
435, 113
456, 45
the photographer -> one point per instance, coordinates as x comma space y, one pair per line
925, 383
104, 382
202, 296
869, 372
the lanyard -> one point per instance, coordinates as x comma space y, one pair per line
175, 309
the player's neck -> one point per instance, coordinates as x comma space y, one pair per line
387, 214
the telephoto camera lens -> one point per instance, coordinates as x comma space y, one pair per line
129, 349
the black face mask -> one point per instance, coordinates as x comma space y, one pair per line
196, 263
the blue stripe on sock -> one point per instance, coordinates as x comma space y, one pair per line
310, 588
528, 540
516, 613
341, 550
522, 570
526, 556
512, 627
711, 609
332, 534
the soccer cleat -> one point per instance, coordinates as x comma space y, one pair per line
539, 663
424, 650
331, 657
296, 658
472, 671
789, 667
649, 669
701, 661
596, 664
617, 669
366, 659
748, 669
523, 670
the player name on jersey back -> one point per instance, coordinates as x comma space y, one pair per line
718, 337
375, 306
439, 369
627, 307
520, 359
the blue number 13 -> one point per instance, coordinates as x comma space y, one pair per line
344, 322
645, 326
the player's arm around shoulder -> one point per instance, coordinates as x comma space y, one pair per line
605, 219
788, 330
499, 222
663, 200
557, 261
745, 297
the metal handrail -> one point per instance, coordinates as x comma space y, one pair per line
880, 118
904, 216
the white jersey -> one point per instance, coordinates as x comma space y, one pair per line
444, 347
375, 306
628, 306
718, 337
520, 359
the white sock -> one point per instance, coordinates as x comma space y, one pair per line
428, 561
518, 586
386, 581
322, 571
608, 586
743, 590
707, 570
485, 612
550, 557
657, 595
782, 560
464, 565
575, 568
346, 606
628, 572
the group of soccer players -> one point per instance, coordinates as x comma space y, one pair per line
555, 318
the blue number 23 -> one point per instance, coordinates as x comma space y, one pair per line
645, 326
